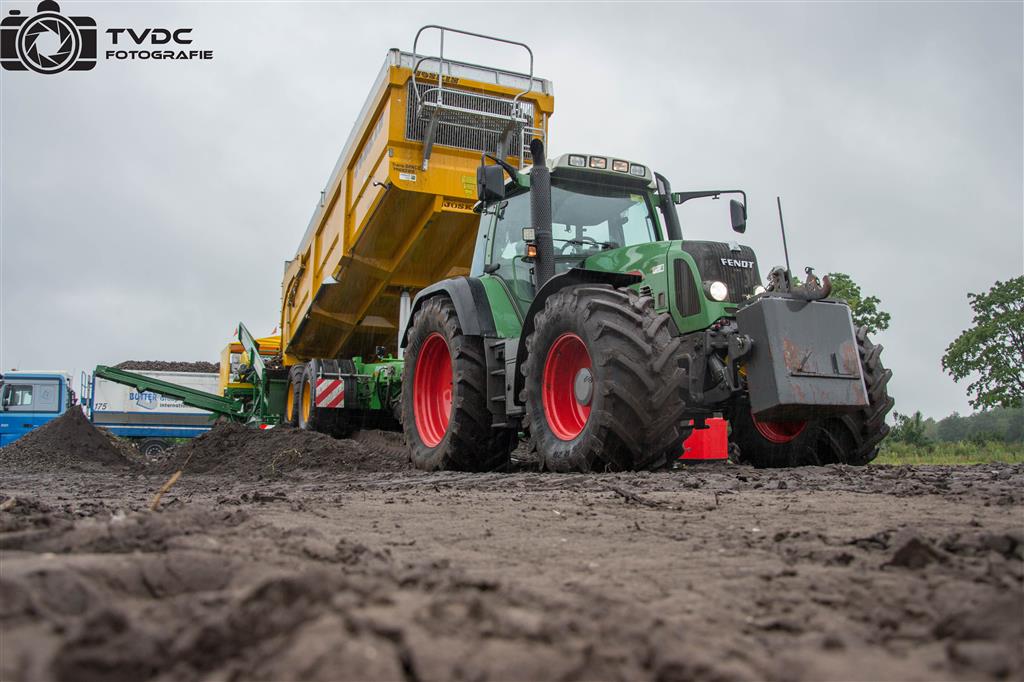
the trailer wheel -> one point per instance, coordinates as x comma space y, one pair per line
309, 416
294, 396
153, 447
848, 439
601, 387
445, 417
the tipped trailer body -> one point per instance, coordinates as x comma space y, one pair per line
396, 214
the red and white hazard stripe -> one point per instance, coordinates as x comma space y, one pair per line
330, 393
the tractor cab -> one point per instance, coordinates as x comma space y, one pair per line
599, 206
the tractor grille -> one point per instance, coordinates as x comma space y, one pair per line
466, 130
687, 296
716, 261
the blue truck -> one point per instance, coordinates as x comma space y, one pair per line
30, 399
151, 420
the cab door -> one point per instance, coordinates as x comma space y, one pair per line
27, 403
506, 250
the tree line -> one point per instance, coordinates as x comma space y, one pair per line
989, 356
998, 424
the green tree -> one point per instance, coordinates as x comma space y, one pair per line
993, 349
864, 309
953, 428
909, 429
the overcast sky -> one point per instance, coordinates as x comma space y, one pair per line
147, 207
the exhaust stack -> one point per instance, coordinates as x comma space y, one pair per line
540, 213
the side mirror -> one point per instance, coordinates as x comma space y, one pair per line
738, 212
490, 183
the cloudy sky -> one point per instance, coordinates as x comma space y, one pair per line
147, 207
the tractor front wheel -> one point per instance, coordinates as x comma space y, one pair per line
601, 387
444, 396
847, 439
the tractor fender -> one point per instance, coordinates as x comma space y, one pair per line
570, 278
471, 305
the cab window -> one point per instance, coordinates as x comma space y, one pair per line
17, 395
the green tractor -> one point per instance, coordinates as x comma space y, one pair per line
590, 324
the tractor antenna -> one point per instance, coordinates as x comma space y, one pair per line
785, 249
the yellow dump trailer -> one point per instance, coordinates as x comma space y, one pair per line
397, 212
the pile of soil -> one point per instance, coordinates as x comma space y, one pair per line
68, 442
166, 366
247, 452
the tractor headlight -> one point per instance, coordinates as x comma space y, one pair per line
717, 290
758, 290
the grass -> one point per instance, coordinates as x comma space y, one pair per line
951, 453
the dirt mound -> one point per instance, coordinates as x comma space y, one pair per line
68, 442
248, 452
166, 366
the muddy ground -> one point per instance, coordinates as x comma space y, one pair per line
280, 557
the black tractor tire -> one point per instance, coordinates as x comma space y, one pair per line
154, 447
635, 407
310, 418
848, 439
293, 399
464, 438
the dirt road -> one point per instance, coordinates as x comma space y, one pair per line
327, 572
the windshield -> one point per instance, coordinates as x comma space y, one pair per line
587, 218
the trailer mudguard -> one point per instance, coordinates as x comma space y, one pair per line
569, 278
471, 304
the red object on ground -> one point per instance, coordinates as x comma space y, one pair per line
711, 443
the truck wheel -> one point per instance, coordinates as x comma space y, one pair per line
294, 397
153, 447
601, 386
445, 417
847, 439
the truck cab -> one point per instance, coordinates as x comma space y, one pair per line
30, 399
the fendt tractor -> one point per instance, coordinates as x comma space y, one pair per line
455, 283
558, 300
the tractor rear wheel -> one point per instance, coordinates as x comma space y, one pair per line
847, 439
601, 387
445, 416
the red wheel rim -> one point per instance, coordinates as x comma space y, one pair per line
779, 432
432, 390
566, 415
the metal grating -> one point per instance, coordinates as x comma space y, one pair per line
464, 129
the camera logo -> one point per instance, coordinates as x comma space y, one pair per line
48, 42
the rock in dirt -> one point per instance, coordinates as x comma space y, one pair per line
247, 452
69, 442
168, 366
914, 554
